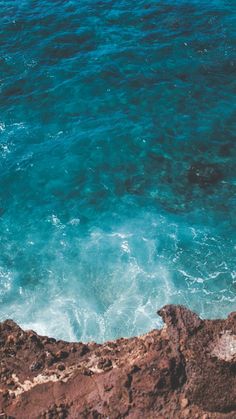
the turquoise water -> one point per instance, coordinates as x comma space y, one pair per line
105, 107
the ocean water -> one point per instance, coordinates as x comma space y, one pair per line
105, 107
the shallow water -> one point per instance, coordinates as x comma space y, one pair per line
105, 105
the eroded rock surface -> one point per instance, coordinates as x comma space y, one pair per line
185, 370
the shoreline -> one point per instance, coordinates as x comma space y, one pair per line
184, 370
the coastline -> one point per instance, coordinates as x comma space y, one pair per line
184, 370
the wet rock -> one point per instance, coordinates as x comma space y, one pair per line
204, 174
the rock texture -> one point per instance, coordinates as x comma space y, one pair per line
186, 370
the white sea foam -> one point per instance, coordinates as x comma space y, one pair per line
116, 282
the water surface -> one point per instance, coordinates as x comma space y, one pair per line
105, 105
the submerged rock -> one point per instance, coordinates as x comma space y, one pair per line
136, 185
204, 174
187, 370
226, 150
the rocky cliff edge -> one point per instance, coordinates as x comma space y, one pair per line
185, 370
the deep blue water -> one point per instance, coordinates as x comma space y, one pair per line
105, 106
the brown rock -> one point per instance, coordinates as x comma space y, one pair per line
187, 370
61, 367
184, 403
11, 339
186, 413
36, 365
105, 364
61, 355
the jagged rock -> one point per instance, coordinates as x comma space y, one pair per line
186, 370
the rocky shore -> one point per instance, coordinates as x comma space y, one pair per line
186, 370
